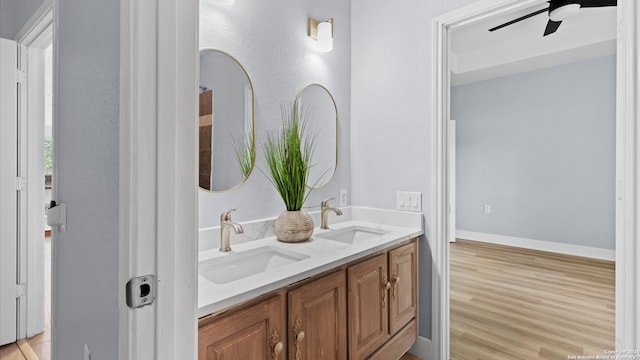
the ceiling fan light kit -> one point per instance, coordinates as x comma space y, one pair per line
558, 11
563, 12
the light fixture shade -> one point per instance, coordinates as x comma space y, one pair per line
322, 32
325, 36
564, 12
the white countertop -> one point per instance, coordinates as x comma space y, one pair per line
322, 255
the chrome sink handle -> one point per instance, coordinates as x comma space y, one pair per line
324, 210
226, 225
226, 216
325, 202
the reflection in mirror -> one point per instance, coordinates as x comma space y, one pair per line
317, 106
226, 124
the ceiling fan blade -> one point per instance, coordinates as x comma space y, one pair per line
552, 26
519, 19
598, 3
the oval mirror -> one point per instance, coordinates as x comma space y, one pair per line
226, 124
317, 108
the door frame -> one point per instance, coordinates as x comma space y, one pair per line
35, 35
8, 198
451, 178
627, 165
158, 183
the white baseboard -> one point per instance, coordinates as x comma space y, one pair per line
569, 249
423, 349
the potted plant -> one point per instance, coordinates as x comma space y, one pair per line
288, 156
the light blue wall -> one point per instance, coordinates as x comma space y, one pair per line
14, 14
539, 147
269, 39
391, 111
86, 271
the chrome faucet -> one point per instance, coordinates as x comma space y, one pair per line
225, 230
324, 209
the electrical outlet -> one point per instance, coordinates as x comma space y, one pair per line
343, 197
487, 209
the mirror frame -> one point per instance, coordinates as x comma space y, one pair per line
335, 107
253, 120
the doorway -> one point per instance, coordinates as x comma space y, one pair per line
26, 242
626, 152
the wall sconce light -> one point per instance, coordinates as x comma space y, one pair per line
322, 31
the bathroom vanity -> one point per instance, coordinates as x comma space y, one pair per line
348, 293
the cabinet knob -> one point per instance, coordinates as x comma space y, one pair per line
386, 285
276, 345
298, 337
277, 348
396, 280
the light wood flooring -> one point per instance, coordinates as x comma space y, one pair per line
17, 351
37, 347
513, 303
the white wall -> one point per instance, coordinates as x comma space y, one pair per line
391, 110
269, 38
85, 275
14, 14
539, 147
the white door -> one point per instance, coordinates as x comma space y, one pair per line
8, 193
451, 232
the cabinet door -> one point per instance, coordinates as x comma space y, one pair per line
255, 333
368, 306
317, 319
404, 284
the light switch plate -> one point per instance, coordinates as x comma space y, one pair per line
409, 201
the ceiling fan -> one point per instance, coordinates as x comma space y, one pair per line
560, 10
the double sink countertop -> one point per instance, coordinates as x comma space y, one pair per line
257, 266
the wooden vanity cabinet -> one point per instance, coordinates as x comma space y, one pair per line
254, 332
363, 310
382, 301
317, 325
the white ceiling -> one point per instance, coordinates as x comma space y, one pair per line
478, 54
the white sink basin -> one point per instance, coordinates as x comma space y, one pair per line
238, 265
352, 235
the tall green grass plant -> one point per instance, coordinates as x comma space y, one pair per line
288, 155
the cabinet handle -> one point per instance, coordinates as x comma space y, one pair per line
276, 345
298, 337
396, 280
277, 348
385, 288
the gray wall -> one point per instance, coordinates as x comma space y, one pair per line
269, 38
86, 272
539, 147
14, 14
391, 110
